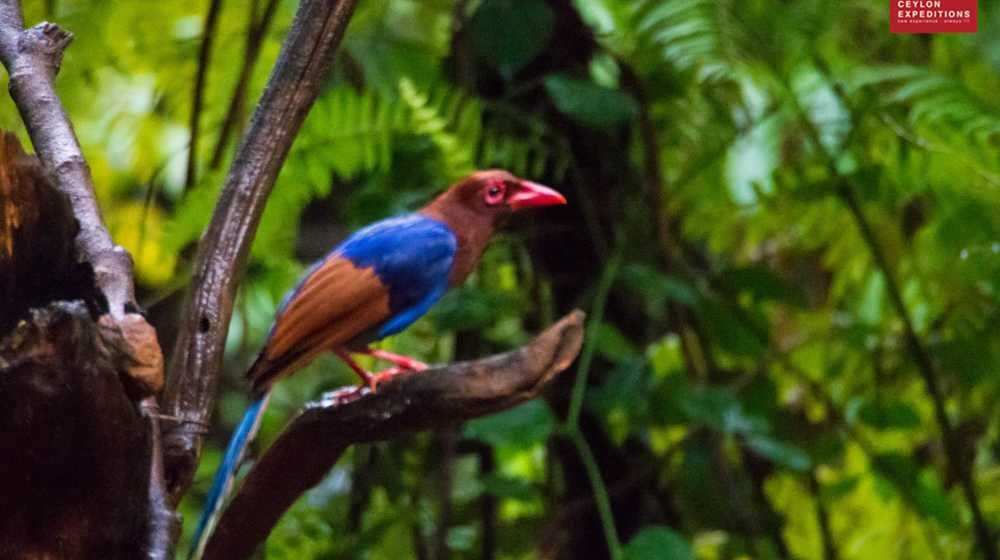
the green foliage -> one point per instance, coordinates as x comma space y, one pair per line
655, 543
527, 424
451, 135
508, 34
588, 103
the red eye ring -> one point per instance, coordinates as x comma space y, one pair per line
494, 193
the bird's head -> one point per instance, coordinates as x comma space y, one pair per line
474, 206
496, 193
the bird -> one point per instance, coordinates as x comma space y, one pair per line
372, 285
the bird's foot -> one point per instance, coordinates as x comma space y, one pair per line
404, 364
341, 396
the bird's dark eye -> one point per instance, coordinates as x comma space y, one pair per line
494, 194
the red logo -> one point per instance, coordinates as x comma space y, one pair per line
933, 16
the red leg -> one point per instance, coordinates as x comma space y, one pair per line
371, 380
366, 377
404, 362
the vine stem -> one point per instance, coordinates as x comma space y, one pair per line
571, 428
587, 355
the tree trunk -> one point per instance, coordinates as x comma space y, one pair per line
75, 445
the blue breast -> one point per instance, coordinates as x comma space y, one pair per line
412, 255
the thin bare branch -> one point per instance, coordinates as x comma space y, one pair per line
295, 82
256, 31
436, 398
32, 58
198, 94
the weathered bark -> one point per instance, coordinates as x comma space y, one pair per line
434, 398
295, 82
76, 449
37, 229
79, 452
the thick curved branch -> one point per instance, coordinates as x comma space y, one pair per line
435, 398
295, 82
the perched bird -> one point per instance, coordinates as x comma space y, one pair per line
374, 284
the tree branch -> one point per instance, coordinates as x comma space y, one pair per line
298, 75
197, 95
823, 520
32, 58
435, 398
256, 32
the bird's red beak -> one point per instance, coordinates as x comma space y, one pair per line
532, 195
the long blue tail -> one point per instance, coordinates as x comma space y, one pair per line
243, 435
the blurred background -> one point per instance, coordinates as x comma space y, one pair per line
783, 222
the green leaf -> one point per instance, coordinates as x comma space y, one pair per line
589, 104
612, 344
890, 415
933, 501
764, 284
839, 489
525, 425
655, 286
871, 304
718, 407
897, 468
780, 452
508, 34
728, 330
508, 487
658, 542
622, 398
470, 308
622, 387
461, 537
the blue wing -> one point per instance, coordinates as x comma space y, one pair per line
374, 284
412, 256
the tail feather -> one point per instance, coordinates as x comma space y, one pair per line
223, 481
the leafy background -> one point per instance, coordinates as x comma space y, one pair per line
765, 197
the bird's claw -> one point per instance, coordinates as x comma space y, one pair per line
341, 396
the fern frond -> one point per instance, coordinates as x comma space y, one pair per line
448, 119
930, 99
348, 133
527, 155
689, 34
